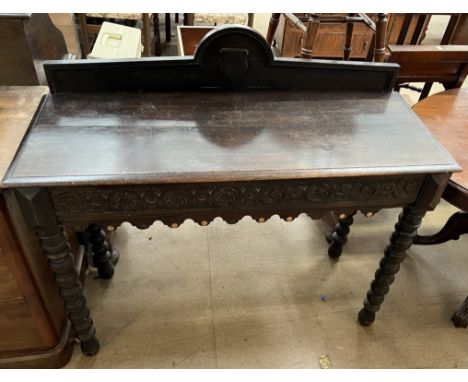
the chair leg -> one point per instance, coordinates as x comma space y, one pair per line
426, 90
457, 225
157, 35
146, 35
84, 35
167, 23
273, 24
348, 39
380, 37
460, 317
189, 18
310, 35
250, 19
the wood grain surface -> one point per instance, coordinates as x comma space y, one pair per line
446, 115
17, 107
213, 136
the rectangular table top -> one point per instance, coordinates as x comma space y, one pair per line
121, 138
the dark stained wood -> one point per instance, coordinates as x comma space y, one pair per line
39, 215
401, 239
32, 324
26, 41
214, 144
207, 70
339, 237
173, 203
102, 258
212, 136
460, 317
456, 226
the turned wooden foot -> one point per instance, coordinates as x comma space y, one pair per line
91, 347
340, 236
102, 257
457, 225
401, 239
460, 317
39, 215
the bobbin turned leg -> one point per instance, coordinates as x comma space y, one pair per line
39, 215
400, 240
340, 236
102, 257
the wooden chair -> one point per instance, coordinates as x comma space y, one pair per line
310, 30
447, 64
87, 29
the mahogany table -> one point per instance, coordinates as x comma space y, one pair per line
229, 132
446, 115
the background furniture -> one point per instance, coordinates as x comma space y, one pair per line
189, 35
402, 29
253, 174
447, 64
88, 28
214, 19
413, 27
313, 40
460, 35
167, 25
26, 41
446, 115
33, 328
188, 38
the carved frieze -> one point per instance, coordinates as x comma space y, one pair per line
235, 195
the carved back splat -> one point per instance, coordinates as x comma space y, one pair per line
228, 57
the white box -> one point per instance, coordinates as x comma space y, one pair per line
117, 41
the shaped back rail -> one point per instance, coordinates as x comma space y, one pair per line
227, 58
447, 64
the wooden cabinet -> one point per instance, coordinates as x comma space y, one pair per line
33, 329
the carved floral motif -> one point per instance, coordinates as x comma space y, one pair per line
167, 197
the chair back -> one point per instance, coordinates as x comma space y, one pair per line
447, 64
